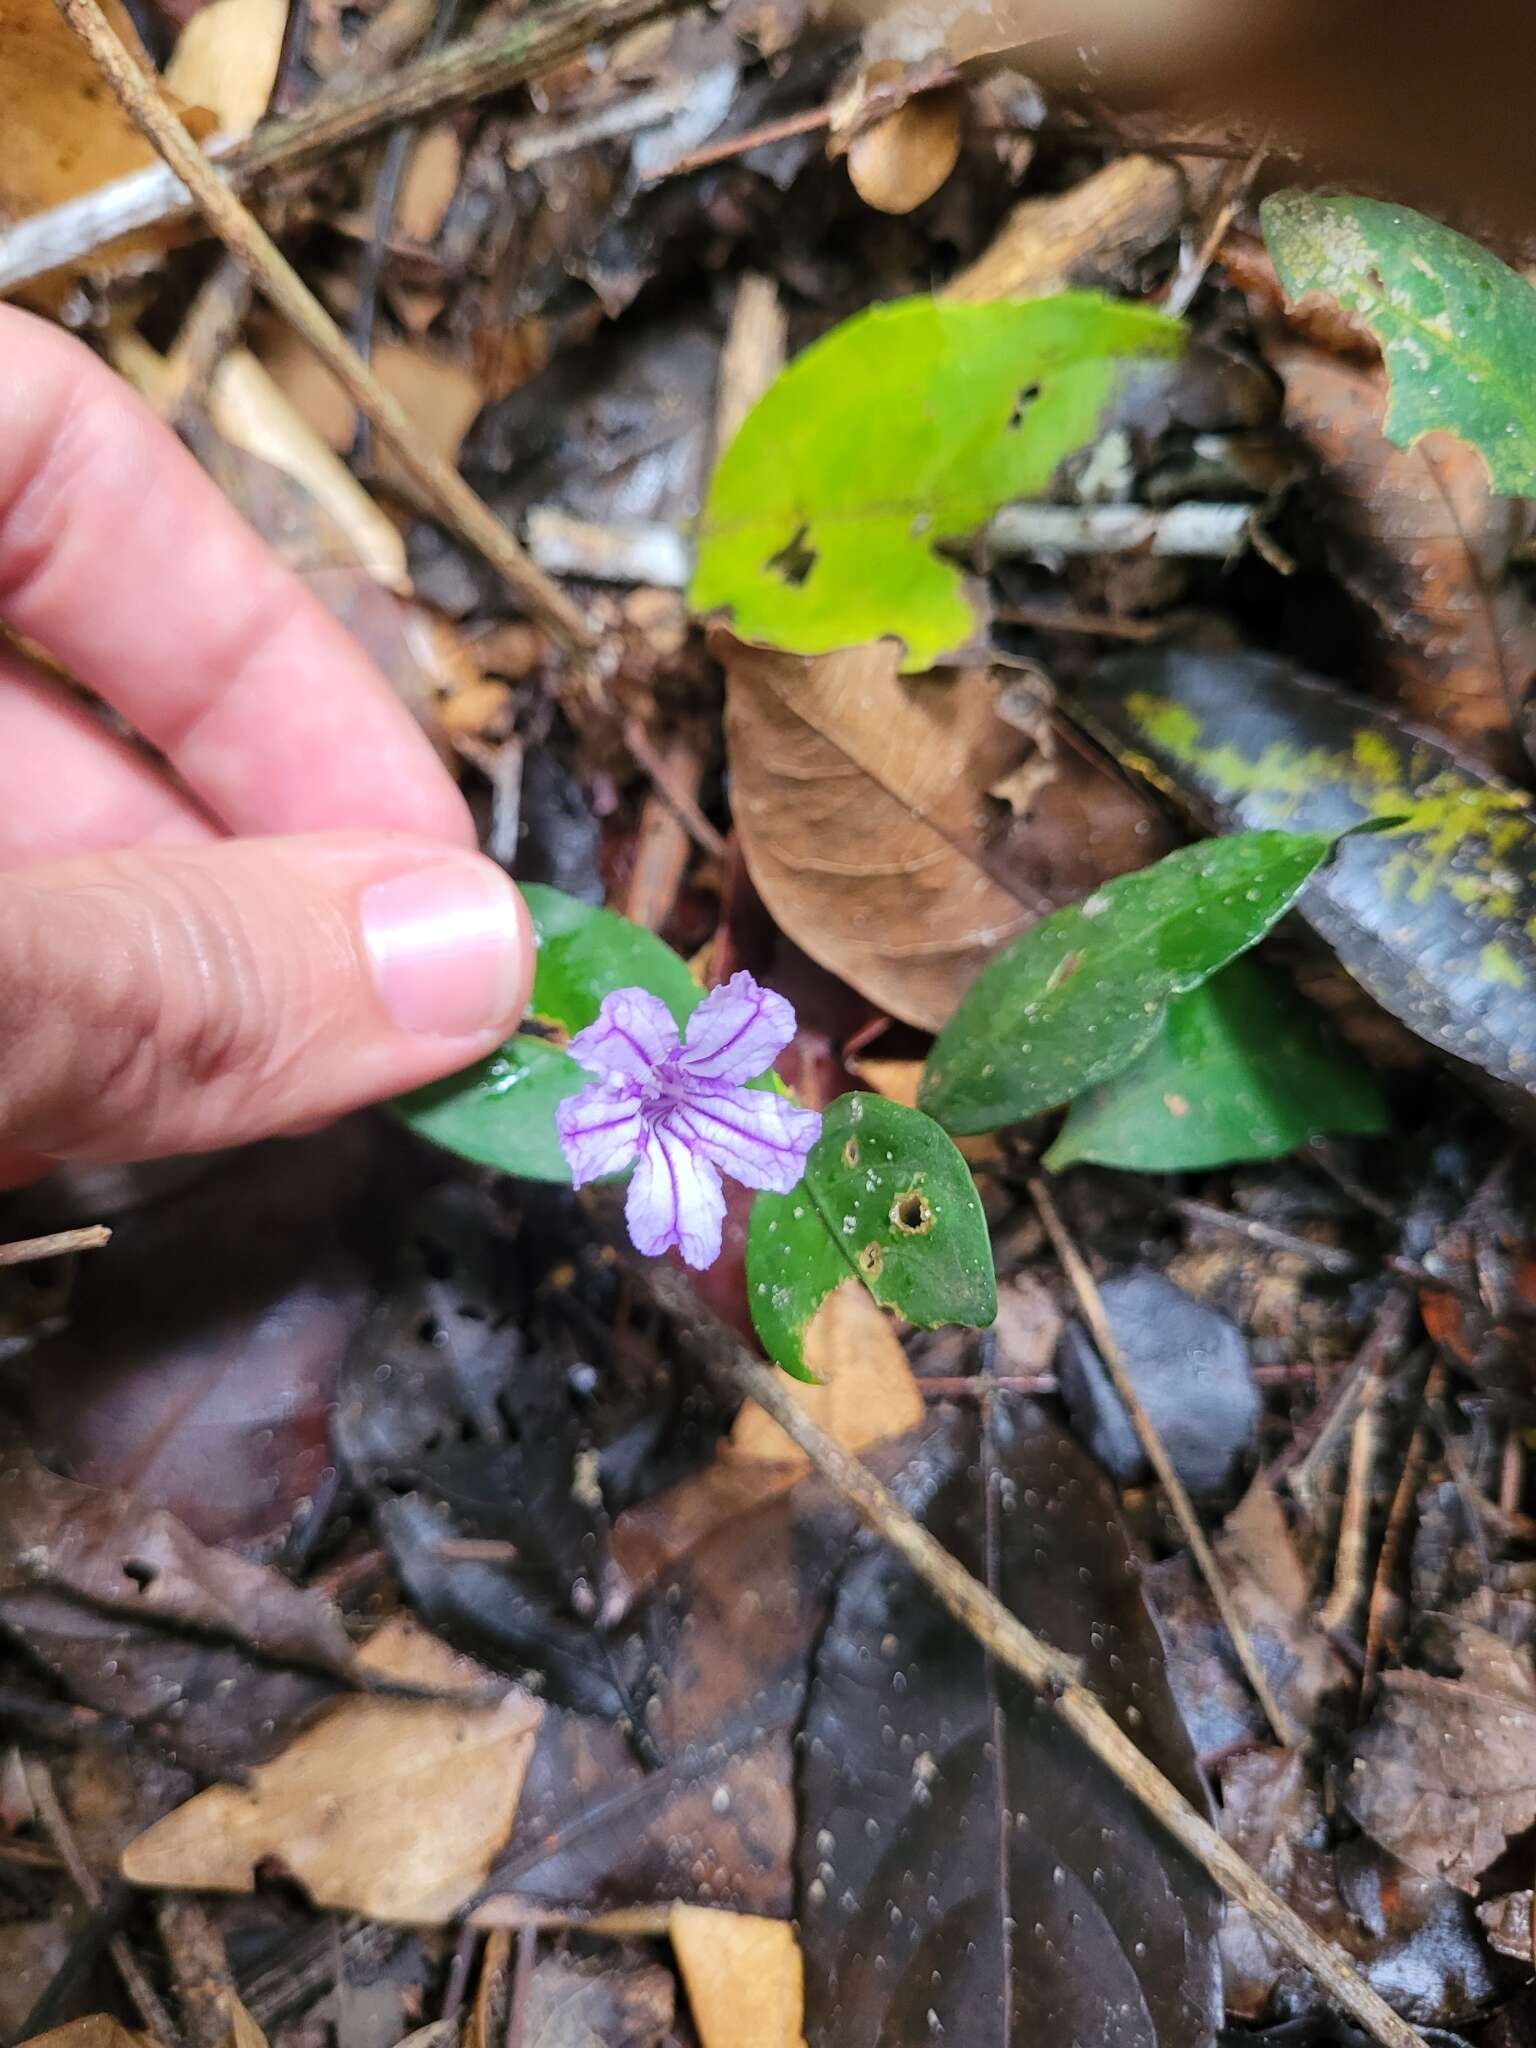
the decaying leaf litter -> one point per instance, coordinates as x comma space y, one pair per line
407, 1630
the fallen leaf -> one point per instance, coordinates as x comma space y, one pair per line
387, 1807
867, 1389
1421, 539
598, 2002
905, 158
97, 2030
226, 59
439, 395
967, 1871
430, 182
743, 1975
859, 796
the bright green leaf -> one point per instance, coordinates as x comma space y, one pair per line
1457, 326
905, 427
1082, 993
501, 1112
1243, 1068
885, 1196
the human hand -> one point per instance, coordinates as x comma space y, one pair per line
291, 921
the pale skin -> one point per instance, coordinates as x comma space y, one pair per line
276, 916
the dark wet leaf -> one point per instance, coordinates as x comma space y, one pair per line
1434, 913
1191, 1368
1244, 1068
1081, 994
887, 1200
966, 1871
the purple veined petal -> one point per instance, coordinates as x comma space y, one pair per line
737, 1032
756, 1137
599, 1129
675, 1199
632, 1034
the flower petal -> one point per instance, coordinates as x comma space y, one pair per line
756, 1137
633, 1033
675, 1198
599, 1130
737, 1032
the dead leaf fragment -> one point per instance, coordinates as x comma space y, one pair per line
744, 1977
904, 159
227, 58
97, 2030
430, 181
867, 1389
860, 798
440, 396
387, 1807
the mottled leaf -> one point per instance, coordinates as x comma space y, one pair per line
1243, 1068
887, 1198
968, 1872
1435, 913
1457, 326
501, 1112
902, 429
1082, 993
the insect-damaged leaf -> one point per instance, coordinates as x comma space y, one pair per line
967, 1871
902, 429
1082, 993
1457, 326
501, 1112
1245, 1068
887, 1198
1435, 913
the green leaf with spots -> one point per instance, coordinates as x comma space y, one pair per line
886, 1197
501, 1112
1244, 1068
1457, 326
1084, 992
1434, 914
900, 432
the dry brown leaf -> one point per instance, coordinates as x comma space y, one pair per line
744, 1977
250, 410
867, 1389
243, 2030
63, 133
1417, 535
904, 159
860, 798
430, 181
441, 397
97, 2030
387, 1807
227, 58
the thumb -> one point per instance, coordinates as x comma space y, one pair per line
175, 1000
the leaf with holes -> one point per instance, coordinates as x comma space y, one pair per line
1085, 991
887, 1197
1243, 1068
1457, 326
899, 432
501, 1112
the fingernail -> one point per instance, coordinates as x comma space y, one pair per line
449, 947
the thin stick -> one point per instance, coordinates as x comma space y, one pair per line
443, 489
1089, 1300
23, 1250
68, 235
1354, 1521
1006, 1638
57, 1827
1392, 1542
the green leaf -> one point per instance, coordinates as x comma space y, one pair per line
1083, 992
903, 429
1434, 914
501, 1112
1457, 326
1243, 1068
885, 1196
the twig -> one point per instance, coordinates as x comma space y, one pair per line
1392, 1541
522, 1984
1091, 1303
1354, 1521
978, 1387
1053, 1676
676, 774
22, 1251
206, 336
471, 69
785, 130
1332, 1258
1190, 275
204, 1982
444, 490
56, 1825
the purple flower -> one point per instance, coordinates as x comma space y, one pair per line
680, 1109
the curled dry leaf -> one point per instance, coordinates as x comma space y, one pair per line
860, 798
1419, 537
904, 159
388, 1807
744, 1977
227, 57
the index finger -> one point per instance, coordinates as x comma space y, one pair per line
122, 559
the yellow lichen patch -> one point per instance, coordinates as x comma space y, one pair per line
1497, 963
